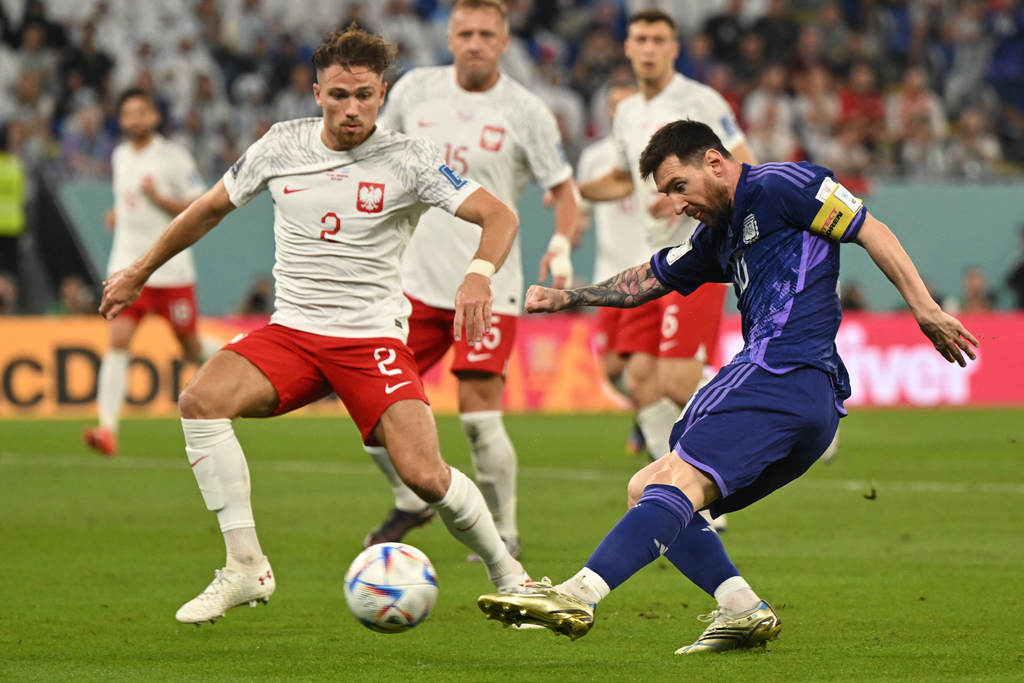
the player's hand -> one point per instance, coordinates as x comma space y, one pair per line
545, 299
119, 291
548, 199
661, 208
948, 335
557, 260
148, 187
473, 308
108, 219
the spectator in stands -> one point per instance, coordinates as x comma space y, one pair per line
973, 150
847, 155
922, 154
86, 145
978, 297
295, 101
747, 67
8, 293
92, 64
768, 111
726, 30
912, 106
75, 297
816, 113
778, 31
1015, 275
971, 45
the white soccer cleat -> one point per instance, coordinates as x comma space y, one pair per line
228, 589
832, 451
719, 524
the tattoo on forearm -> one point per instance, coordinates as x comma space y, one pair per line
631, 287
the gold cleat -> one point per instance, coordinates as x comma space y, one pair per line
540, 604
747, 629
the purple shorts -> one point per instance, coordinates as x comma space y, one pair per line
753, 431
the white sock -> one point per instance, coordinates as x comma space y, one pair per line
112, 384
494, 459
735, 595
656, 421
465, 514
405, 499
587, 585
219, 465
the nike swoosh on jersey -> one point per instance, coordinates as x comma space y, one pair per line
477, 357
424, 124
290, 190
390, 389
665, 346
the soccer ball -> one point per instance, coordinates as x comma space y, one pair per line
391, 587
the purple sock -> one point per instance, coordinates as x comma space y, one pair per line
699, 554
642, 535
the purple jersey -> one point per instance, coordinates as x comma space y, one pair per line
781, 253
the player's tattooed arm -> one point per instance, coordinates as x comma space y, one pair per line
631, 287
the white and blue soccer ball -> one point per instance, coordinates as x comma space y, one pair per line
391, 587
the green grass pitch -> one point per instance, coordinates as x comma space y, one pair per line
922, 582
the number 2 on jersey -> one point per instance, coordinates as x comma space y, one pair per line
337, 226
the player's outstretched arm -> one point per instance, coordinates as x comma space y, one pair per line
630, 288
124, 286
613, 185
566, 199
498, 225
948, 335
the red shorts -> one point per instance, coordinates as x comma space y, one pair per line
606, 324
176, 304
674, 326
367, 374
430, 337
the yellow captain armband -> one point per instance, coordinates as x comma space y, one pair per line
838, 209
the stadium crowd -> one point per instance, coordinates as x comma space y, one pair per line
930, 89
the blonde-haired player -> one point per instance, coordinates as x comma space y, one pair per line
495, 131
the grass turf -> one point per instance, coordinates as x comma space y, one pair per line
920, 582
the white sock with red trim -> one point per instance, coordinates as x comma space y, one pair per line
217, 460
111, 386
494, 458
405, 499
465, 514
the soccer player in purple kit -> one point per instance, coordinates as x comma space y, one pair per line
772, 230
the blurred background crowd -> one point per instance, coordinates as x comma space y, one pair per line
929, 90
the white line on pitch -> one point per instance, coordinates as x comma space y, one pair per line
83, 461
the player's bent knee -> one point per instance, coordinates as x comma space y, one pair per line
636, 486
196, 402
426, 480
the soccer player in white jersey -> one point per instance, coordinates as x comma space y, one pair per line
347, 195
669, 340
154, 180
496, 132
617, 243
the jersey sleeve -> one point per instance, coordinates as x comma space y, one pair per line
686, 267
587, 169
391, 115
720, 118
542, 144
824, 207
620, 156
248, 176
436, 184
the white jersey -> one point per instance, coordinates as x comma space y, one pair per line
499, 138
137, 220
637, 119
342, 221
621, 242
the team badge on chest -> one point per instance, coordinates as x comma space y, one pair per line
749, 229
370, 198
491, 138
